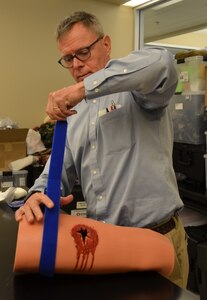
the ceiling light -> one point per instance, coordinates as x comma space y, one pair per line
134, 3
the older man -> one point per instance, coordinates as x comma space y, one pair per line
119, 140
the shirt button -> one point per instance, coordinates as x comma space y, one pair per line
125, 70
95, 82
100, 197
94, 172
94, 101
93, 147
96, 90
92, 123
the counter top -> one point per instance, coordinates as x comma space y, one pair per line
127, 286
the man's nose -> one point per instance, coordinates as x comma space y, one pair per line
77, 62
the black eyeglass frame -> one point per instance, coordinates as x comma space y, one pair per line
72, 56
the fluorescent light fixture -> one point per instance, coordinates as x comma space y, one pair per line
142, 3
168, 3
134, 3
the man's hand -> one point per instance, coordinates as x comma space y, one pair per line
31, 209
60, 103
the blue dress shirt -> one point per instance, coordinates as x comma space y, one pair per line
123, 156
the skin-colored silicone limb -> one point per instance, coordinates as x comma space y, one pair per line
91, 247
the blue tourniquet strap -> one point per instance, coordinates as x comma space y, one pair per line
53, 191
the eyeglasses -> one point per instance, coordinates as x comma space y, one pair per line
81, 54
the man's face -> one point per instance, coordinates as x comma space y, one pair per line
78, 38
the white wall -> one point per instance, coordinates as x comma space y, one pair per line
28, 52
197, 40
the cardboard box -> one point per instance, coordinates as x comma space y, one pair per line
12, 146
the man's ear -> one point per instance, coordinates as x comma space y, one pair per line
107, 43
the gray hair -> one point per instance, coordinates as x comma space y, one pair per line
88, 20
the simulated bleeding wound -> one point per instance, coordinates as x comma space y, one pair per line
86, 240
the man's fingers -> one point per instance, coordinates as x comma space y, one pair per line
59, 113
55, 113
31, 209
40, 198
66, 200
59, 105
24, 210
19, 214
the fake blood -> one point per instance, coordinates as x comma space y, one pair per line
86, 240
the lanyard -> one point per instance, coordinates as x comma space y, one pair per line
53, 191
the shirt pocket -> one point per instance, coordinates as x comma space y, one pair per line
116, 132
